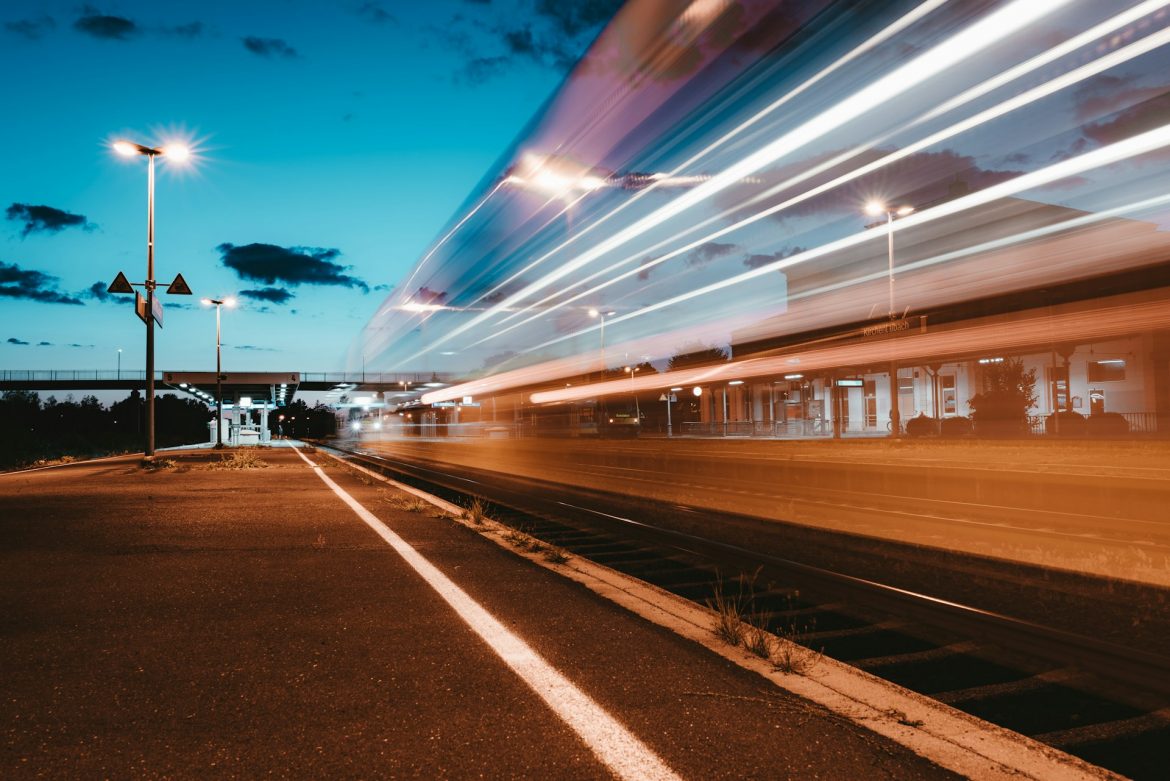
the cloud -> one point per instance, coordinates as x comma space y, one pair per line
14, 340
708, 252
32, 29
293, 265
276, 295
424, 295
110, 28
46, 219
269, 47
573, 19
189, 30
755, 261
1101, 95
44, 344
375, 13
254, 348
31, 285
98, 291
1139, 118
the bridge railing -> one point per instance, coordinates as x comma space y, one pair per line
73, 375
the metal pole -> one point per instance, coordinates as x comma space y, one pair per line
669, 430
218, 386
119, 364
895, 391
149, 454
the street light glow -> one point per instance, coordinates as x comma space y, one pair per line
179, 153
125, 148
874, 208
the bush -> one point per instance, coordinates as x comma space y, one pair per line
955, 427
1065, 424
921, 425
1107, 424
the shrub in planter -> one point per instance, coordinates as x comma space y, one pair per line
921, 426
1107, 424
1065, 424
955, 427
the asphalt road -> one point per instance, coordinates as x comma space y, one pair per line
200, 623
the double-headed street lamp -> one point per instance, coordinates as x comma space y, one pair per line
178, 153
877, 208
219, 303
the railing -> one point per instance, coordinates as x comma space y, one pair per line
74, 375
376, 378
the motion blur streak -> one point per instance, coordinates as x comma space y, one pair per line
1122, 150
982, 34
869, 45
699, 184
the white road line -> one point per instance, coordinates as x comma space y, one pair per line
611, 742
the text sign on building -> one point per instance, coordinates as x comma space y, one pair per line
850, 382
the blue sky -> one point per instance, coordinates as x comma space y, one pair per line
334, 141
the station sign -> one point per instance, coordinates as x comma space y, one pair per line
850, 382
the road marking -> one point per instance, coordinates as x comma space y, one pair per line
611, 742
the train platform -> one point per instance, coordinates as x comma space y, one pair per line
212, 616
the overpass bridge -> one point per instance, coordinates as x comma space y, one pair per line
275, 389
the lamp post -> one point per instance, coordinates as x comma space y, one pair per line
219, 303
178, 153
877, 208
119, 363
602, 315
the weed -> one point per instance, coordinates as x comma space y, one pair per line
240, 459
408, 503
790, 655
729, 626
476, 511
159, 464
518, 538
556, 555
903, 719
758, 640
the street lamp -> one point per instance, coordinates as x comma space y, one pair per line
602, 315
219, 303
877, 208
178, 153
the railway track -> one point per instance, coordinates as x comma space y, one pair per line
1102, 701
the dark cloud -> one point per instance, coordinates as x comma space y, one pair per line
33, 29
189, 30
708, 252
424, 295
46, 219
1139, 118
755, 261
574, 18
31, 285
44, 344
81, 346
14, 340
98, 291
110, 28
1102, 95
293, 265
375, 13
254, 348
276, 295
269, 47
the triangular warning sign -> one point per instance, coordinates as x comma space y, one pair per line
120, 285
179, 287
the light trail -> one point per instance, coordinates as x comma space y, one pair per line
1111, 60
887, 33
1113, 153
982, 34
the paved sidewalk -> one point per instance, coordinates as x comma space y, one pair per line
192, 622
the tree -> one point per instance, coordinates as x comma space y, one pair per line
1001, 408
696, 354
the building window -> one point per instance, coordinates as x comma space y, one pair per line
1107, 371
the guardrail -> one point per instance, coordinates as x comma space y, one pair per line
74, 375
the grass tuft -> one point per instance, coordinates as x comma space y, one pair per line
556, 555
476, 511
240, 459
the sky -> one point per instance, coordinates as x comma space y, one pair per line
332, 142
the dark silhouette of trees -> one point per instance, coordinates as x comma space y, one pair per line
696, 354
1001, 408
